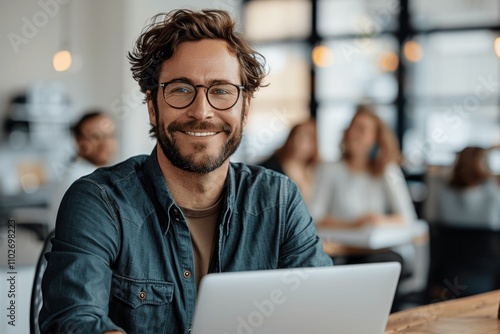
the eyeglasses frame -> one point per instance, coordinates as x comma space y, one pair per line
239, 87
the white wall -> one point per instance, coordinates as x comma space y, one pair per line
101, 33
96, 43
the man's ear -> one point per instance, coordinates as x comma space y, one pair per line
151, 108
246, 109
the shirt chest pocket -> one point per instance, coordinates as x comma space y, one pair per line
140, 306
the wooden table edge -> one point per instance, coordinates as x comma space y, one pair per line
487, 304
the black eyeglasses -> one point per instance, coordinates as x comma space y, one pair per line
180, 94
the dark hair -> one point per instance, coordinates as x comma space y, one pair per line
469, 169
76, 129
166, 31
388, 147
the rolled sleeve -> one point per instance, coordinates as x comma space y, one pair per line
76, 283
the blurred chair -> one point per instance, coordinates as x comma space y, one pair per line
36, 292
435, 180
464, 261
33, 218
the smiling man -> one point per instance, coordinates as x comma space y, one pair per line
134, 240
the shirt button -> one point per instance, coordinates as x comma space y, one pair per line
142, 295
176, 214
187, 274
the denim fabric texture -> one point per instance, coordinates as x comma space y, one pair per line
122, 257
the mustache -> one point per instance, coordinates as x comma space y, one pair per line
198, 126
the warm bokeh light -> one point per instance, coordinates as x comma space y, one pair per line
322, 56
413, 51
389, 61
497, 46
62, 60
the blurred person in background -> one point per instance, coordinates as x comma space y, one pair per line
366, 187
96, 144
298, 157
471, 197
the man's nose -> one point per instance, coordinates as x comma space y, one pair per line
200, 109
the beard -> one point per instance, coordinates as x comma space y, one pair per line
199, 162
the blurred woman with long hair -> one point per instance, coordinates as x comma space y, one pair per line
472, 197
298, 157
367, 186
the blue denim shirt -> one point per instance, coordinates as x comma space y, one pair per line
122, 255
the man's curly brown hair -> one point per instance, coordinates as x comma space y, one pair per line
159, 40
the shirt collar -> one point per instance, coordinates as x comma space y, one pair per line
156, 182
230, 197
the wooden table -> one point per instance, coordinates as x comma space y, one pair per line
335, 249
476, 314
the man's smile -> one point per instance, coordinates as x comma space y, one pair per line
200, 134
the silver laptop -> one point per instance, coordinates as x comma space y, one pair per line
340, 299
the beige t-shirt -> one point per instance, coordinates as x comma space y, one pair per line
202, 226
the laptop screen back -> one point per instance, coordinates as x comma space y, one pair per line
342, 299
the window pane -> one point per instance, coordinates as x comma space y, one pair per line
277, 19
455, 64
438, 132
279, 106
289, 75
427, 14
333, 119
363, 17
357, 71
453, 97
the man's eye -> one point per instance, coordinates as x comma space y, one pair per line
180, 90
221, 91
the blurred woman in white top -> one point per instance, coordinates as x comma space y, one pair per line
471, 197
367, 186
